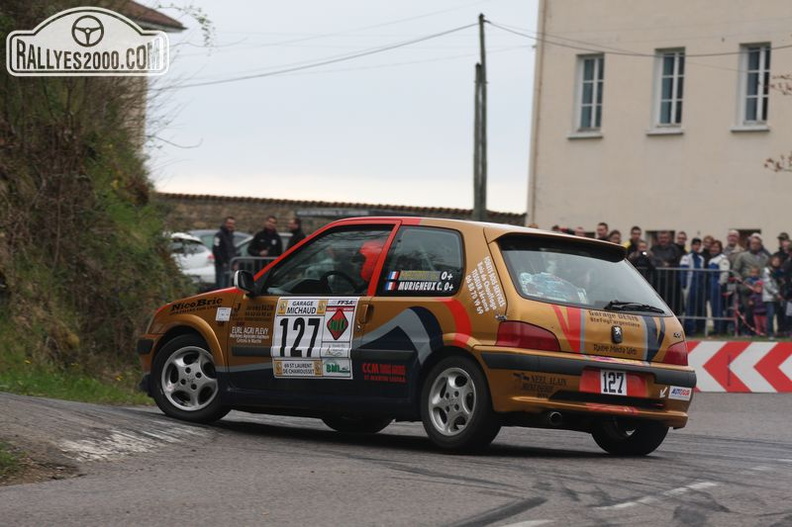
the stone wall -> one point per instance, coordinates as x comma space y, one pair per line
191, 211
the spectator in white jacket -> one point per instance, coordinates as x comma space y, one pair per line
718, 289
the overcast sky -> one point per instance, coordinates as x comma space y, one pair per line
393, 127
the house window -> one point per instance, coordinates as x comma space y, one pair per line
755, 83
670, 89
591, 71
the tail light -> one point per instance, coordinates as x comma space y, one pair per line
677, 354
210, 258
515, 334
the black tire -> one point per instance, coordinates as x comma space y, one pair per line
184, 382
356, 425
456, 407
626, 437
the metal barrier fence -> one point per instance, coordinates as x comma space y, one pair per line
252, 264
711, 301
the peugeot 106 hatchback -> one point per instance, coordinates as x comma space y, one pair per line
464, 326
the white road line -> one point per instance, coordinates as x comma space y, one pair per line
530, 523
121, 443
653, 499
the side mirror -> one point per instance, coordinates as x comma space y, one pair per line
244, 280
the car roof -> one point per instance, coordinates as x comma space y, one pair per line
184, 236
493, 230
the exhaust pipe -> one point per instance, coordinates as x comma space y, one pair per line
554, 418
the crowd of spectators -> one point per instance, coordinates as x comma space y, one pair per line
745, 290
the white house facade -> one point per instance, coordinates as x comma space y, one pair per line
662, 115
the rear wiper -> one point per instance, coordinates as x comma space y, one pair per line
617, 305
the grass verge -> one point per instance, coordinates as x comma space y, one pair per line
9, 462
41, 381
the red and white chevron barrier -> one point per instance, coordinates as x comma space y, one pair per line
741, 366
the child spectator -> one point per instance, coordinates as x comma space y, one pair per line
757, 310
771, 292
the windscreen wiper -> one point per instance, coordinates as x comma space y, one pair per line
617, 305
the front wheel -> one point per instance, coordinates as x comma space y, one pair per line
456, 408
625, 437
184, 381
356, 425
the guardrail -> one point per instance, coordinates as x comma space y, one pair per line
711, 301
252, 264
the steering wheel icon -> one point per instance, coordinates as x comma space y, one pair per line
87, 31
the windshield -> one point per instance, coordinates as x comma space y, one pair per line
582, 274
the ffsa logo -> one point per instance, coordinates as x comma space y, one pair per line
87, 41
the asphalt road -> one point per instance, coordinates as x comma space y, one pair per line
732, 465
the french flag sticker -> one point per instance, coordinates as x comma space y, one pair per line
393, 275
390, 286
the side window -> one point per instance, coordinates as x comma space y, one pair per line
423, 261
340, 262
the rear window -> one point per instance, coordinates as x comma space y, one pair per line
185, 246
580, 274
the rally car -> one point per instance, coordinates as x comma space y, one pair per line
462, 325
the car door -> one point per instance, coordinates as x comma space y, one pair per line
293, 343
411, 312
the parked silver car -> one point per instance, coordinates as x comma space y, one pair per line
194, 259
207, 236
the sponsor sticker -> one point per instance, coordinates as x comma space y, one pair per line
249, 335
195, 305
306, 329
484, 287
680, 393
336, 368
223, 314
441, 282
540, 384
383, 372
297, 368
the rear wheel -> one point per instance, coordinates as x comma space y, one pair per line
626, 437
184, 381
356, 425
456, 408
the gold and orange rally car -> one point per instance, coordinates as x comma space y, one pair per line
465, 326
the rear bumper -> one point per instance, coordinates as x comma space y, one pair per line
538, 382
575, 366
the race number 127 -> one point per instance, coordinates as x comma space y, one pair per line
613, 382
297, 332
